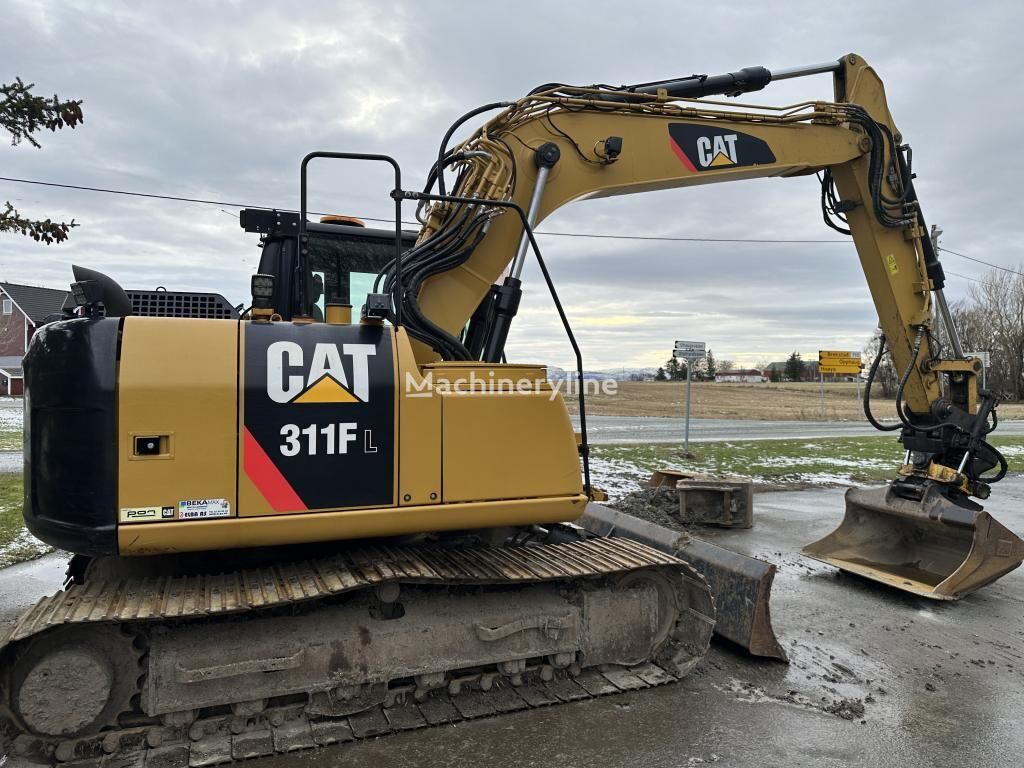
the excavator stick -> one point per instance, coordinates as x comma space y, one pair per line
740, 585
930, 547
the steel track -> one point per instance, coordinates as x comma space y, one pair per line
212, 737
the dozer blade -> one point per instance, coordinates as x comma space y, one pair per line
932, 547
740, 585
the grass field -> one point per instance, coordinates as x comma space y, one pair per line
16, 544
788, 401
10, 440
838, 460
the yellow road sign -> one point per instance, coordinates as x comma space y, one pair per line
832, 354
836, 367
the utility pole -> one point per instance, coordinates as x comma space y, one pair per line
689, 397
691, 352
937, 328
821, 384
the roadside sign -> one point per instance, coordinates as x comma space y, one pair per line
986, 363
843, 362
689, 349
838, 361
985, 357
841, 367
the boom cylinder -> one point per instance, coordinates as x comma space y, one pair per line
546, 156
732, 83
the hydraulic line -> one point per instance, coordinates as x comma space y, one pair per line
443, 150
867, 391
914, 352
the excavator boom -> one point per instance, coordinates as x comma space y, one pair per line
561, 144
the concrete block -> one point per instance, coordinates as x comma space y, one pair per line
726, 501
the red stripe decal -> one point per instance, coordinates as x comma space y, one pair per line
268, 478
681, 155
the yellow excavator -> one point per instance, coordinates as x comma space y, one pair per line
291, 529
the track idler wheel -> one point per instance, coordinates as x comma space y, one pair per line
74, 681
685, 616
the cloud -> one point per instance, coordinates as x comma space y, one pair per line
221, 101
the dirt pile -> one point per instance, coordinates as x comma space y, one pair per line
656, 505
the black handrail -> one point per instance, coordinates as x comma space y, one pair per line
584, 445
303, 240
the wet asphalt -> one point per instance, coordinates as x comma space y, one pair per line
941, 684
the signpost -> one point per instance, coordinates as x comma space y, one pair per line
986, 363
833, 361
846, 370
690, 351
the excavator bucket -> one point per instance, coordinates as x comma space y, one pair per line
932, 547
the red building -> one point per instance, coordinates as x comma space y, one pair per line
23, 308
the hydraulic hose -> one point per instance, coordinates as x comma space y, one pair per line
451, 131
867, 391
906, 377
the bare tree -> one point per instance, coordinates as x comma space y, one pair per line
885, 379
724, 366
992, 318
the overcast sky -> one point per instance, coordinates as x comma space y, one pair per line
221, 101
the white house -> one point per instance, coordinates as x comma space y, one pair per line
742, 375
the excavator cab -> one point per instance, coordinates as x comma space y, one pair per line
344, 258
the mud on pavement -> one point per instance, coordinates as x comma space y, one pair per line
818, 681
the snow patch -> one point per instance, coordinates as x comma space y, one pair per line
12, 416
617, 477
24, 546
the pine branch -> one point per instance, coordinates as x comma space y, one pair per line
45, 231
22, 113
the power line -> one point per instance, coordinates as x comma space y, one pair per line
965, 277
592, 235
142, 194
222, 203
691, 239
979, 261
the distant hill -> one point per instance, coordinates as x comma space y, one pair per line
618, 374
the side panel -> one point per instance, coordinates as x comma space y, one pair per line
281, 530
177, 385
508, 445
317, 418
419, 435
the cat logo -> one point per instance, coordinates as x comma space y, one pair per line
708, 148
326, 380
716, 151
